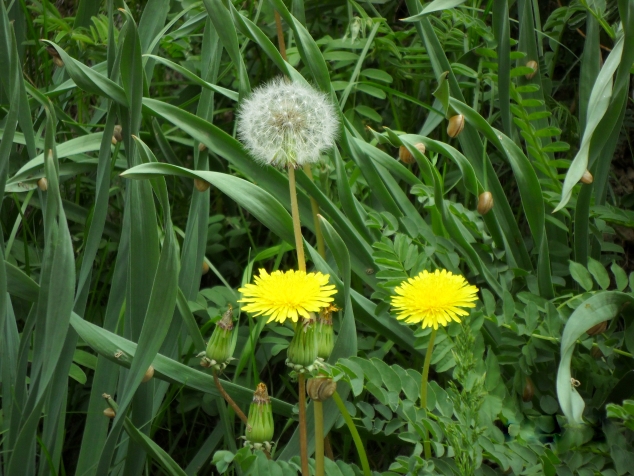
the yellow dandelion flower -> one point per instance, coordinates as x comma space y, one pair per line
287, 295
433, 298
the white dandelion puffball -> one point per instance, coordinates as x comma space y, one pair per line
287, 124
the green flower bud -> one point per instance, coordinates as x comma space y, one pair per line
219, 351
302, 352
325, 333
260, 420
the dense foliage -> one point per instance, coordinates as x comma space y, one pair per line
132, 213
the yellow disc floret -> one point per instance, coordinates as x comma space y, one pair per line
287, 295
433, 298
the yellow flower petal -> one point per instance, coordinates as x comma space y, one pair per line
287, 295
433, 299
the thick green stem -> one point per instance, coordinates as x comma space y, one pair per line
423, 389
355, 434
319, 438
297, 227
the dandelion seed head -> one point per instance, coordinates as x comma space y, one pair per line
285, 123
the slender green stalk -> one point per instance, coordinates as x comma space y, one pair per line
303, 437
423, 389
355, 434
319, 438
321, 245
297, 227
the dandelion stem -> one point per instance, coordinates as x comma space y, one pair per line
297, 227
228, 399
355, 434
423, 389
303, 438
280, 35
319, 438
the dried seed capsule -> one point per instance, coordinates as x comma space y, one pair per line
118, 133
485, 203
534, 66
405, 156
201, 185
587, 177
109, 412
149, 373
205, 267
596, 352
43, 184
529, 390
57, 59
320, 389
598, 329
455, 126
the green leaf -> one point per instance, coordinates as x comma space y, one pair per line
599, 308
435, 6
619, 276
581, 275
599, 273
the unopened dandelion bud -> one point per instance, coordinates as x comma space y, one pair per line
287, 124
597, 329
149, 373
201, 147
528, 391
43, 184
260, 429
218, 352
455, 126
485, 203
325, 332
109, 412
320, 389
117, 133
201, 185
534, 66
205, 267
587, 177
302, 351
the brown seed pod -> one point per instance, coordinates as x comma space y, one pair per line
109, 412
529, 390
485, 203
405, 156
149, 373
320, 389
596, 352
534, 66
205, 267
587, 177
598, 329
117, 133
43, 184
455, 126
55, 56
201, 147
201, 185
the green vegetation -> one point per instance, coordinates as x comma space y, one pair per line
489, 138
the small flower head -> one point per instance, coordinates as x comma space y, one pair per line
260, 427
434, 298
287, 124
287, 295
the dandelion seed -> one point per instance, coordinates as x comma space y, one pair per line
287, 124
